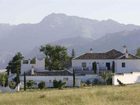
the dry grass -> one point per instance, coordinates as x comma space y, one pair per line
98, 95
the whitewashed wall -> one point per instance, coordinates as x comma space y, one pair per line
49, 80
130, 66
39, 66
100, 63
126, 78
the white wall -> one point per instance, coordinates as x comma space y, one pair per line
130, 66
127, 78
100, 63
39, 66
49, 80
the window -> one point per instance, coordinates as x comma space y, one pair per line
25, 61
65, 79
84, 65
123, 64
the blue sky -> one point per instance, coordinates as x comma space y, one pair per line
33, 11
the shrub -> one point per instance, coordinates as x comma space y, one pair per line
3, 79
58, 84
109, 81
30, 84
106, 75
88, 82
12, 84
41, 85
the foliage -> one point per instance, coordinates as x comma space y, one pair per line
56, 57
73, 53
33, 61
30, 84
12, 84
113, 67
73, 78
58, 84
3, 79
24, 81
41, 85
14, 64
138, 52
95, 67
106, 75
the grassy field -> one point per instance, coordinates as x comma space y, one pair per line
96, 95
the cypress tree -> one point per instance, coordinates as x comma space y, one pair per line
73, 78
24, 81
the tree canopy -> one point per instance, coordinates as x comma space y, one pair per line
138, 52
56, 56
15, 63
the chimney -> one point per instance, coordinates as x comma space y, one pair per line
91, 50
32, 70
125, 51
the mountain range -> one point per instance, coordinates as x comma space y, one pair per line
70, 31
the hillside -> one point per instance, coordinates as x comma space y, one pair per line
70, 31
96, 95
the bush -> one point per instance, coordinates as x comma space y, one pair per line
41, 85
12, 84
109, 81
58, 84
30, 84
3, 79
88, 82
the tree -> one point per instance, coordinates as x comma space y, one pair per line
15, 63
24, 81
14, 66
113, 67
95, 67
3, 79
41, 85
73, 53
138, 52
30, 84
73, 78
106, 75
56, 57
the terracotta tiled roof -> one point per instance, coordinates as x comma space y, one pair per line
112, 54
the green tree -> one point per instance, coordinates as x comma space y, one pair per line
56, 56
73, 78
95, 67
14, 66
3, 79
24, 81
113, 67
73, 53
138, 52
41, 85
30, 84
106, 75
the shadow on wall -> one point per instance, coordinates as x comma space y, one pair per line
137, 80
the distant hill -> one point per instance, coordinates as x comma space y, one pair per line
70, 31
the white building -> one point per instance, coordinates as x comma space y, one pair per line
111, 60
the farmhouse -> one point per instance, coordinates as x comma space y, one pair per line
112, 60
125, 66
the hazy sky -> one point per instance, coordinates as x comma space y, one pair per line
32, 11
